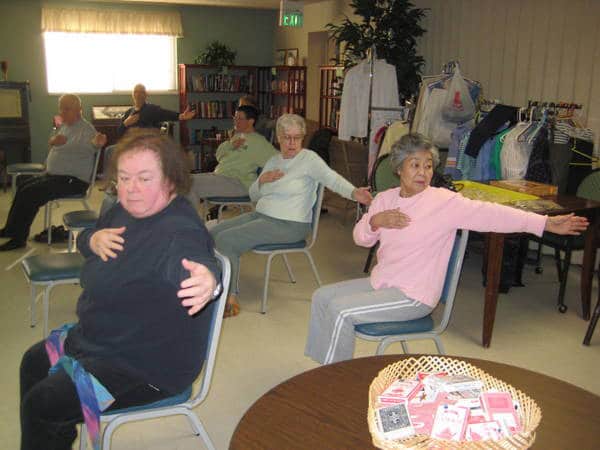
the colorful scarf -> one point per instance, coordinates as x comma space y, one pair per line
94, 397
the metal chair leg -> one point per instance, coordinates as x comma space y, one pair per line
313, 266
263, 308
383, 344
200, 430
32, 311
288, 267
439, 345
369, 260
404, 347
46, 308
82, 437
48, 221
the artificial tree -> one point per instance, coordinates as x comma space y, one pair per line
392, 26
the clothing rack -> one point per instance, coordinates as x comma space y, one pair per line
372, 55
562, 105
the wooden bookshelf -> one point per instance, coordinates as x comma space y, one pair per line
330, 97
282, 89
214, 92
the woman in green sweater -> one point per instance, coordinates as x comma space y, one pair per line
239, 160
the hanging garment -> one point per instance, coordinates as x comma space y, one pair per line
538, 168
496, 164
394, 132
560, 156
483, 167
500, 115
457, 136
354, 107
465, 164
580, 165
514, 157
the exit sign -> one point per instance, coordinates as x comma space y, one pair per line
291, 13
292, 20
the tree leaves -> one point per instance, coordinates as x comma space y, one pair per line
393, 27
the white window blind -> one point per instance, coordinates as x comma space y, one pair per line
105, 63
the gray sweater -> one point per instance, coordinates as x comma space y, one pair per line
76, 157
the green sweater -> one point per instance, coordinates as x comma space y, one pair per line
244, 162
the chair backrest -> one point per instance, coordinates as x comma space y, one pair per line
215, 332
316, 214
452, 277
88, 193
383, 177
590, 186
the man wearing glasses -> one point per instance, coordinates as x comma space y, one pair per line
239, 160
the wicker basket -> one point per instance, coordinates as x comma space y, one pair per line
408, 368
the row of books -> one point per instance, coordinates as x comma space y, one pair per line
212, 133
218, 82
442, 406
215, 109
283, 86
277, 110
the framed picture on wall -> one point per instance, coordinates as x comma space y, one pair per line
280, 54
291, 57
109, 112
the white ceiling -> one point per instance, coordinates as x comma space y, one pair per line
261, 4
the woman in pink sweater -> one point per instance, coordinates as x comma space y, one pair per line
415, 225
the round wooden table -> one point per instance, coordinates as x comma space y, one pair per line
326, 408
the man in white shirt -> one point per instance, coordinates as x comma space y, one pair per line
69, 166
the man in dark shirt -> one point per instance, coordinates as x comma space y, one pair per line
148, 115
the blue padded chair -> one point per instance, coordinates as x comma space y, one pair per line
16, 170
76, 221
389, 332
183, 403
83, 198
48, 271
222, 202
303, 246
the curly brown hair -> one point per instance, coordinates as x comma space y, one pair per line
173, 161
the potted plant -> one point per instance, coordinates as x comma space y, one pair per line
392, 27
217, 54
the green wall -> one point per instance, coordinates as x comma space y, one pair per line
250, 32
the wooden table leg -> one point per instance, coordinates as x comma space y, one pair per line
587, 270
495, 248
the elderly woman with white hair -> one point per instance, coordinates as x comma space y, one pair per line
415, 225
284, 193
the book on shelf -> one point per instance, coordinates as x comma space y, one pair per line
283, 86
216, 109
213, 133
218, 82
278, 110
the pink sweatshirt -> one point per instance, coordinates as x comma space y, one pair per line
414, 259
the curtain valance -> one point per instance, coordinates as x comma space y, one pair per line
77, 20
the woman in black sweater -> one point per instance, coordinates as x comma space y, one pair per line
134, 334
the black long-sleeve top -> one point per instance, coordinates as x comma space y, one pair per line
150, 117
129, 312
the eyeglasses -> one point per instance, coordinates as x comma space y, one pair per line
297, 138
238, 118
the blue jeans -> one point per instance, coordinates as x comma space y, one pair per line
236, 236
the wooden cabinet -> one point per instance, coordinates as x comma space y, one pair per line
15, 137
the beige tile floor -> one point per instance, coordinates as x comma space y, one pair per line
259, 351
